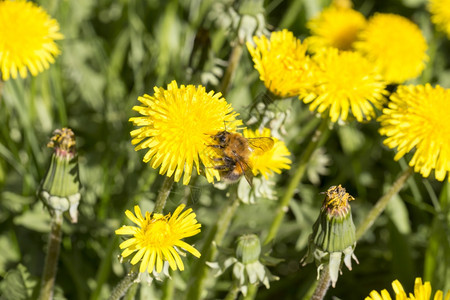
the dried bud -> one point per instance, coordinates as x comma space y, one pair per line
333, 234
60, 188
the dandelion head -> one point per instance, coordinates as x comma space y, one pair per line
440, 14
336, 27
346, 83
422, 291
417, 118
282, 63
27, 39
157, 238
273, 160
396, 45
176, 127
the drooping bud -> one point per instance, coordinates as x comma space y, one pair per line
248, 248
60, 188
333, 234
248, 265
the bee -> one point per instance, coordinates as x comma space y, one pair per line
234, 152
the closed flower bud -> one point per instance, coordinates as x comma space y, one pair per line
60, 188
248, 248
333, 234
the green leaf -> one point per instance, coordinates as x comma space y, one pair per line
17, 284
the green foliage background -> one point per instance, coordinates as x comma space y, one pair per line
113, 52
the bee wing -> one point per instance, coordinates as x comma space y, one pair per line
261, 144
248, 174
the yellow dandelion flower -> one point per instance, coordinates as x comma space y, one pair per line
336, 27
27, 39
273, 160
421, 292
396, 45
346, 82
176, 127
417, 117
440, 14
157, 238
282, 63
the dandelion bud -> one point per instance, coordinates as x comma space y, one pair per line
60, 188
248, 248
250, 20
333, 234
249, 266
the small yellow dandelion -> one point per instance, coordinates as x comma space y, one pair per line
282, 63
440, 14
273, 160
417, 117
421, 292
346, 83
158, 239
336, 27
396, 45
27, 39
176, 127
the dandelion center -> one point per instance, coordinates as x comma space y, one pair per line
156, 233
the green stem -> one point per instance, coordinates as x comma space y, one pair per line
168, 289
51, 260
318, 138
251, 293
322, 285
381, 204
163, 195
123, 286
215, 235
233, 62
232, 294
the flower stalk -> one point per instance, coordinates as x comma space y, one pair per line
233, 62
319, 137
163, 195
381, 204
209, 253
123, 286
51, 259
322, 285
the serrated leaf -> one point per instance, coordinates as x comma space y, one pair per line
17, 284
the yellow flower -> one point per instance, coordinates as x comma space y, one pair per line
346, 82
157, 238
396, 45
282, 63
27, 39
417, 117
177, 125
273, 160
440, 14
421, 292
336, 27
